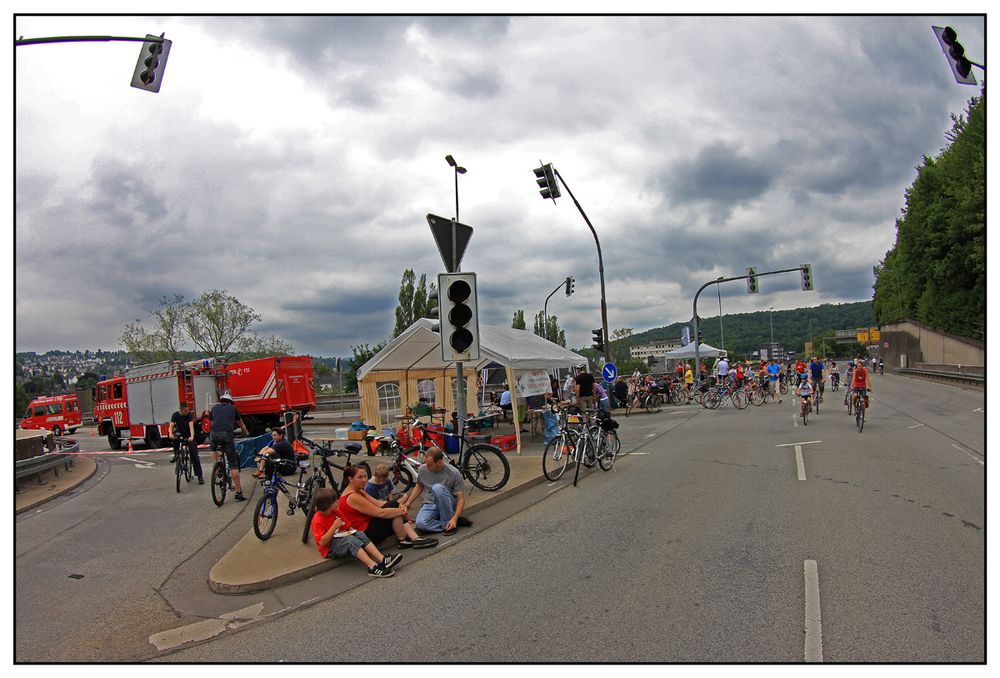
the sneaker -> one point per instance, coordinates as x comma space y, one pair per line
239, 497
201, 481
405, 544
390, 561
464, 522
377, 570
424, 543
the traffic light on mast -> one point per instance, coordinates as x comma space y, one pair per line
545, 176
954, 52
598, 339
570, 284
752, 280
807, 278
152, 62
459, 317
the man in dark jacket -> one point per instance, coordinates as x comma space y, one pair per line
224, 418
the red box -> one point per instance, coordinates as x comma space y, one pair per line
507, 442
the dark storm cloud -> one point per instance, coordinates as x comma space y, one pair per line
719, 174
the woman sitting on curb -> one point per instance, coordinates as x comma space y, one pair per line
376, 519
328, 527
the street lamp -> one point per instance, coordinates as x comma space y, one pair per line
770, 319
458, 170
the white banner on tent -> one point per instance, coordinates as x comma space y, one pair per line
531, 382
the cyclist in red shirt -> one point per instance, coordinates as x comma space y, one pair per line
861, 382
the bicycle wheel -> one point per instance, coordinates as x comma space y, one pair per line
816, 402
859, 415
555, 459
711, 400
740, 399
606, 453
652, 404
804, 411
265, 516
309, 510
590, 452
486, 467
783, 387
402, 482
758, 396
220, 483
850, 405
188, 469
178, 471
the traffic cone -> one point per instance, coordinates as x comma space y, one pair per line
92, 433
130, 450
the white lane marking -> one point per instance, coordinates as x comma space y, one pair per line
968, 453
813, 647
139, 463
978, 409
799, 464
641, 454
806, 442
915, 426
652, 435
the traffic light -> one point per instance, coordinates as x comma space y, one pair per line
547, 182
152, 61
752, 280
598, 339
459, 317
807, 278
570, 284
433, 310
955, 54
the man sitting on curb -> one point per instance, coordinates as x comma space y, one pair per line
443, 491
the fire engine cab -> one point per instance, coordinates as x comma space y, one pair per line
59, 414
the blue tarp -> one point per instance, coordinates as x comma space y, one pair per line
551, 427
247, 449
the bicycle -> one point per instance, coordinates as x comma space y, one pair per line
182, 464
817, 394
605, 437
221, 480
860, 407
835, 381
583, 454
322, 474
555, 458
265, 514
805, 406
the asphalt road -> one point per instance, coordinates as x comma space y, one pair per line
703, 545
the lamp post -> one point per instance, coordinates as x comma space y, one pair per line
770, 319
458, 170
722, 335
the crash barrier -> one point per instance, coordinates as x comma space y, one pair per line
35, 466
341, 403
963, 377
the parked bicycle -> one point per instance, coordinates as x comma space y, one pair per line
322, 475
182, 463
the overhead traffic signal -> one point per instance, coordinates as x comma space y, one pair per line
545, 176
433, 310
152, 61
807, 278
954, 52
570, 285
598, 339
752, 280
459, 317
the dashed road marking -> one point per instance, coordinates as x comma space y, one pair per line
915, 426
813, 647
799, 464
971, 456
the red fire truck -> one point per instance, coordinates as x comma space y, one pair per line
138, 405
59, 414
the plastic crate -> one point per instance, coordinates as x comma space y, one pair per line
505, 443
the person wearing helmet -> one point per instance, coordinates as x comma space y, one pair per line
224, 417
805, 390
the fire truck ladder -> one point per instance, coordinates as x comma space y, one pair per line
187, 379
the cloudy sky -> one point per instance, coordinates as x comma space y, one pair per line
292, 162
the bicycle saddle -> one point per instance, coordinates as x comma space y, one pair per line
354, 448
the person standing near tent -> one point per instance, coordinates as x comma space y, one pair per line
569, 387
585, 389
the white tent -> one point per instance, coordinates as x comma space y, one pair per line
704, 351
396, 376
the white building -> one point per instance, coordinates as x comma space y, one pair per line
656, 349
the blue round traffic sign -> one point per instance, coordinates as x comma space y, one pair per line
610, 372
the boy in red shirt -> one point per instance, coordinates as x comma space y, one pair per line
328, 527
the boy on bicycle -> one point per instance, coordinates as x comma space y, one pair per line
805, 391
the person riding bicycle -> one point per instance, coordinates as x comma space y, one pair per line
834, 374
816, 369
805, 390
224, 417
861, 383
181, 430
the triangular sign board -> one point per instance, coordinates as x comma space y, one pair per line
452, 238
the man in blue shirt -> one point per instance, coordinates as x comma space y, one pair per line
773, 369
816, 375
505, 402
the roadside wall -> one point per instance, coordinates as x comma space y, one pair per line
929, 348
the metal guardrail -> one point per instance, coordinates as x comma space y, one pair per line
36, 466
937, 374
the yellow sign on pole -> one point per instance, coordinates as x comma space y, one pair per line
863, 336
875, 335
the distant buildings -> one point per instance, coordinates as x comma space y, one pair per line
657, 349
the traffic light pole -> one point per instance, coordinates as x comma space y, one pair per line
81, 38
600, 262
545, 308
717, 281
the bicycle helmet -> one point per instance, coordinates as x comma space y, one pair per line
803, 376
226, 395
850, 363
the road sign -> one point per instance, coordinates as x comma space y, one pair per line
452, 238
886, 344
610, 372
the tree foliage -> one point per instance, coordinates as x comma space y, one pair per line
518, 322
362, 354
414, 301
936, 270
551, 331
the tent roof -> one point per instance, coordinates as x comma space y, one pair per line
688, 351
419, 348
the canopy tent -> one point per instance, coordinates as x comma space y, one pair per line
704, 351
399, 374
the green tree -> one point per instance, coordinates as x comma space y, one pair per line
263, 347
414, 301
518, 322
21, 400
218, 323
552, 332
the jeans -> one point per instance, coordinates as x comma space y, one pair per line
192, 451
434, 516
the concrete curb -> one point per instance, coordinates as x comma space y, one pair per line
62, 485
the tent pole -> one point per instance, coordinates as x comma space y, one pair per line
513, 406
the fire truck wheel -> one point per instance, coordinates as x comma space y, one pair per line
72, 430
114, 441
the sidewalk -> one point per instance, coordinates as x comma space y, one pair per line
32, 494
255, 565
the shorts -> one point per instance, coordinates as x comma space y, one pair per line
380, 528
223, 440
349, 545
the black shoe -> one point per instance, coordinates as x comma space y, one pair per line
464, 522
425, 543
377, 570
239, 497
390, 561
201, 481
405, 544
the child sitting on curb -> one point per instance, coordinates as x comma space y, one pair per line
328, 527
380, 487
